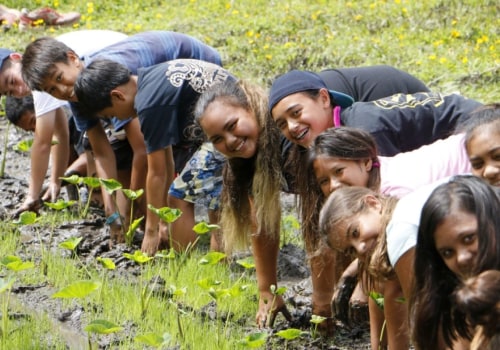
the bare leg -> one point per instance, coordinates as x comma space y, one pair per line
182, 233
216, 235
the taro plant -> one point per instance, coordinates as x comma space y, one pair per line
107, 264
154, 340
30, 218
14, 264
316, 320
290, 334
142, 258
134, 224
167, 215
275, 292
71, 244
100, 327
254, 340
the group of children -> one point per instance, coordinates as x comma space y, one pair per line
349, 142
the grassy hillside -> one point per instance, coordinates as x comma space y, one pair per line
451, 45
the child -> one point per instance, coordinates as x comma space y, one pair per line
482, 142
302, 107
458, 237
162, 96
51, 115
479, 299
233, 118
348, 157
357, 220
45, 57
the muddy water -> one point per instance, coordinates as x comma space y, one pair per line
293, 271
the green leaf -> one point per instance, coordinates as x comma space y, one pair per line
71, 243
91, 182
219, 293
247, 263
26, 218
277, 291
151, 339
73, 179
207, 283
24, 146
316, 319
20, 265
255, 340
177, 291
60, 204
102, 327
202, 228
110, 185
163, 254
167, 214
106, 263
133, 195
6, 284
138, 256
290, 333
132, 227
378, 298
78, 289
211, 258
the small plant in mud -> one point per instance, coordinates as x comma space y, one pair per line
145, 292
154, 340
100, 327
134, 224
107, 264
71, 244
14, 264
290, 334
254, 340
316, 321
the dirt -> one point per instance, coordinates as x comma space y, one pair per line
35, 299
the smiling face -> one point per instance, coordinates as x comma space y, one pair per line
60, 82
359, 232
11, 80
233, 130
483, 149
302, 118
332, 173
457, 242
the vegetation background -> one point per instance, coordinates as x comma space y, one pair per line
451, 45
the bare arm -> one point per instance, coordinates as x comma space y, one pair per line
105, 161
160, 175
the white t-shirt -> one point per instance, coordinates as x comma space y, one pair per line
402, 230
405, 172
82, 42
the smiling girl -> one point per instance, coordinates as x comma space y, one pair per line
458, 238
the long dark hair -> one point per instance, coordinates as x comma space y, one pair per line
431, 301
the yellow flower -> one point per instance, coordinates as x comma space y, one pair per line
269, 57
235, 12
158, 16
455, 34
482, 39
432, 57
249, 33
437, 43
228, 5
464, 60
358, 17
397, 1
443, 60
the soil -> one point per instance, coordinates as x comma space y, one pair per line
35, 299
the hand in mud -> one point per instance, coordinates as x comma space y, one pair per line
266, 317
116, 233
341, 297
28, 205
327, 327
150, 244
51, 193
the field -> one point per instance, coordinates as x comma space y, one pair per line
196, 301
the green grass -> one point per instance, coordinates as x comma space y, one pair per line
451, 45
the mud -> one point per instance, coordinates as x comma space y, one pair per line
66, 317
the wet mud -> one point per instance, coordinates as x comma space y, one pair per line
66, 317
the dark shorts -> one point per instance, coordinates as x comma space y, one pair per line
200, 181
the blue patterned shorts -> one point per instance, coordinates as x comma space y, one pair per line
201, 179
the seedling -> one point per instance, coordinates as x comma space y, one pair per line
316, 320
14, 264
141, 258
71, 244
79, 290
132, 196
275, 292
289, 334
154, 340
107, 264
168, 215
101, 327
254, 340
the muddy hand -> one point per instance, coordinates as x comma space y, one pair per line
341, 297
266, 317
28, 205
52, 192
